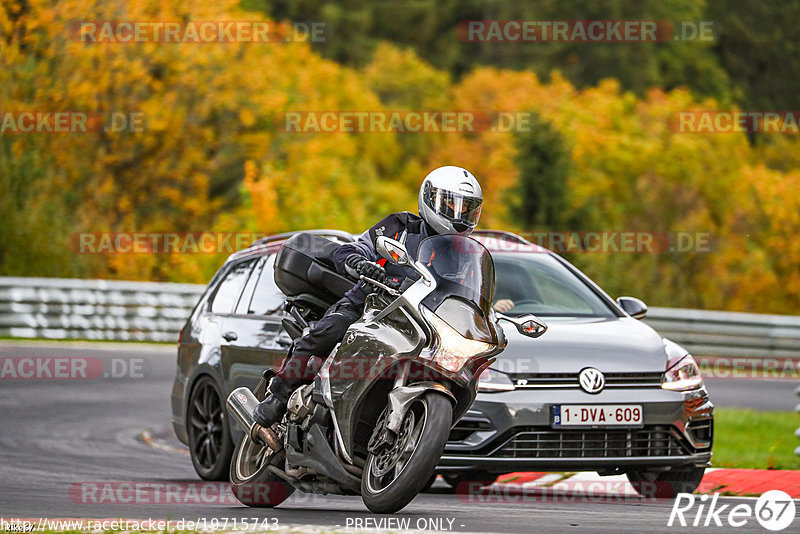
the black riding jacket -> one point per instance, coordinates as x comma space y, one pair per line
405, 227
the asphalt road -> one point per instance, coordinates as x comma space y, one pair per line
763, 394
59, 437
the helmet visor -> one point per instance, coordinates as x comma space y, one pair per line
455, 207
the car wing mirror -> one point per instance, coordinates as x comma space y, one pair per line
394, 251
633, 307
527, 325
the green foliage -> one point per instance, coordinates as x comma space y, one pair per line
600, 155
35, 210
543, 160
208, 109
430, 27
759, 48
753, 59
637, 65
630, 172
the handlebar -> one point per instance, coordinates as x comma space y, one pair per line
389, 289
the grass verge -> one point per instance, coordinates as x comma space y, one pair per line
755, 440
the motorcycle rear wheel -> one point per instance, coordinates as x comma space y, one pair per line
251, 480
396, 475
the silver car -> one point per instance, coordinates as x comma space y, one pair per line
599, 391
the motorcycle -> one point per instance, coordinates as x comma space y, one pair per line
376, 418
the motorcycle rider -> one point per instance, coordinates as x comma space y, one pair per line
450, 200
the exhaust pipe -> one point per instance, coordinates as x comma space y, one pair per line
241, 405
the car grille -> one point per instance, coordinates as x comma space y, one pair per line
570, 380
701, 431
467, 426
544, 442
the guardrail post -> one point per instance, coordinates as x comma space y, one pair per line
797, 409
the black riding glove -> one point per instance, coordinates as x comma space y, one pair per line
357, 264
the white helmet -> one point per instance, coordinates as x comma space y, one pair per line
450, 200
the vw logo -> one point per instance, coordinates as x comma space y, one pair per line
591, 380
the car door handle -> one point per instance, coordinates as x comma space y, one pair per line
230, 336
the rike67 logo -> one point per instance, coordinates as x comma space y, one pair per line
774, 510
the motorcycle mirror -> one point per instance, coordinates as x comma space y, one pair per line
527, 325
393, 251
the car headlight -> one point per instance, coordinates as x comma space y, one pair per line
453, 350
492, 381
682, 374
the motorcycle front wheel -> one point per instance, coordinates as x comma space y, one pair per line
251, 480
394, 476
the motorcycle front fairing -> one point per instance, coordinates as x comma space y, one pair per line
394, 345
365, 365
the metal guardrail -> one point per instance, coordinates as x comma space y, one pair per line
147, 311
58, 308
729, 334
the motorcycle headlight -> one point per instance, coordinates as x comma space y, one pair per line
453, 350
492, 381
682, 374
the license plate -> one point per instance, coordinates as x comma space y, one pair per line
597, 415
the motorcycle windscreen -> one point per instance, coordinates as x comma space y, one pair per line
464, 273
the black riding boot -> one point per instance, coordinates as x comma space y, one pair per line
271, 409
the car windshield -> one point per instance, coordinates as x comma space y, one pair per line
540, 284
461, 266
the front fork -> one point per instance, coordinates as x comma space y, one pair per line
400, 398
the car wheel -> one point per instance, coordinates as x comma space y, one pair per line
210, 443
457, 481
666, 484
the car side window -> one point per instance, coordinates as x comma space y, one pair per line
267, 298
247, 294
230, 288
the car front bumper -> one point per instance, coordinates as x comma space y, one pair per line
512, 431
